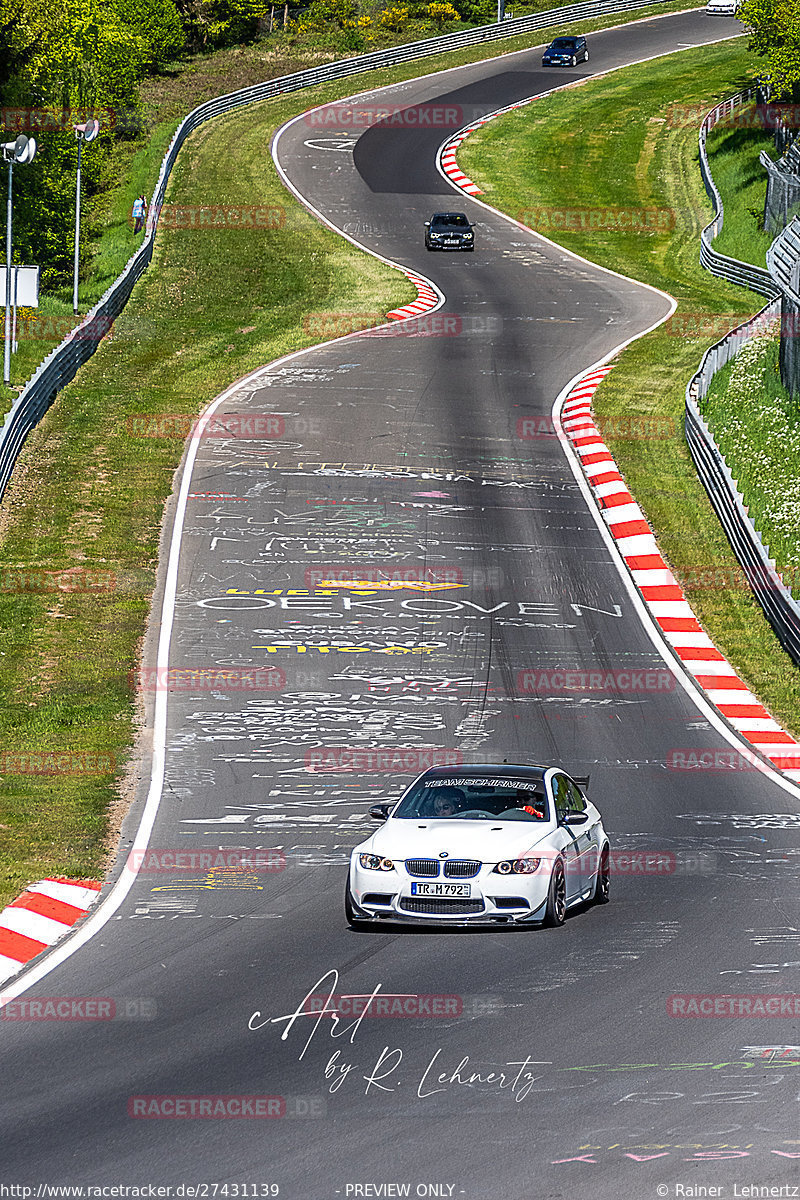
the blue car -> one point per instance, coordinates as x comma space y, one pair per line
566, 52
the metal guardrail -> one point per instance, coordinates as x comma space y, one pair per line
747, 275
780, 608
61, 365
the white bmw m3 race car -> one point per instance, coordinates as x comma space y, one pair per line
481, 844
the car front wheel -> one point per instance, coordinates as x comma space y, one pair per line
602, 883
556, 911
573, 62
586, 56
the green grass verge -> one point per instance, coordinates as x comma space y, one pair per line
633, 157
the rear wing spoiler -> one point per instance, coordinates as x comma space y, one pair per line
582, 781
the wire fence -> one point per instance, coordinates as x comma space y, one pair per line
783, 261
783, 188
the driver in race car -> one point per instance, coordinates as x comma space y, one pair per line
447, 802
531, 802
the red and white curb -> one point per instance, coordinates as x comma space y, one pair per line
427, 298
661, 591
447, 159
39, 917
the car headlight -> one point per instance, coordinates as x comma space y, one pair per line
467, 236
517, 866
373, 862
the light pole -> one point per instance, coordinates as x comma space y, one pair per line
20, 151
86, 132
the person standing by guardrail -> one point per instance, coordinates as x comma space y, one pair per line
139, 213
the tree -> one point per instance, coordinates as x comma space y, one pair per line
18, 47
71, 59
212, 23
774, 27
158, 23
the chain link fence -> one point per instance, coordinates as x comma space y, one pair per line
783, 188
783, 262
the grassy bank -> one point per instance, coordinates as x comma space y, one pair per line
733, 150
634, 158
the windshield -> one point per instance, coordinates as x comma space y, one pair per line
450, 219
475, 799
563, 44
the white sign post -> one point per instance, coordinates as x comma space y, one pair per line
24, 293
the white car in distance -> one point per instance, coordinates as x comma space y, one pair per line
722, 8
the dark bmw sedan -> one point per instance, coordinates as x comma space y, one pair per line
566, 52
449, 231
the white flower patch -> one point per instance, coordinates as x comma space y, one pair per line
757, 427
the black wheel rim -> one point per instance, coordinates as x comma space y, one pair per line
604, 879
559, 895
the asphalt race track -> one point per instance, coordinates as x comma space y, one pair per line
403, 452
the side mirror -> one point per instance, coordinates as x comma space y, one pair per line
379, 812
575, 819
427, 223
